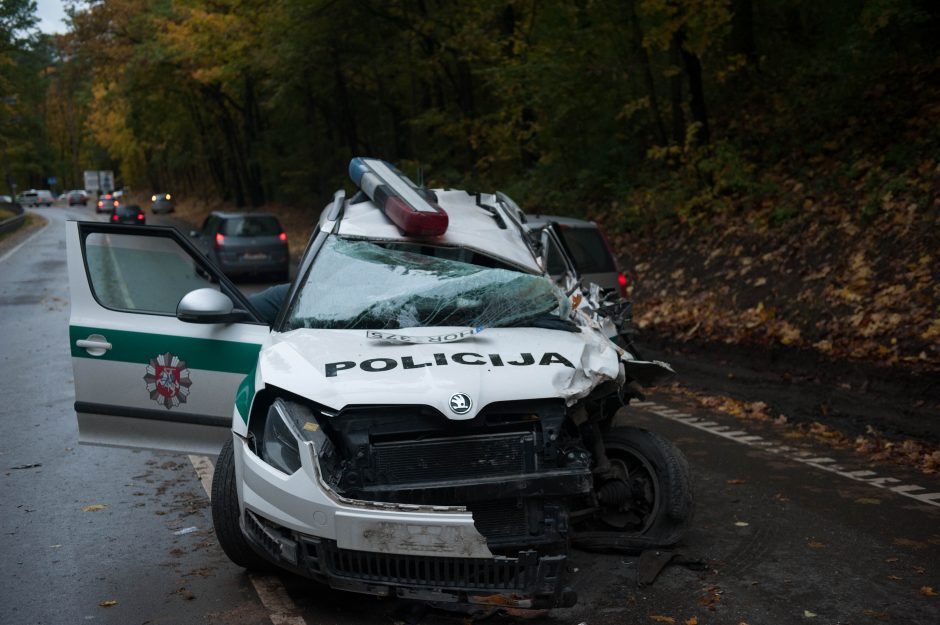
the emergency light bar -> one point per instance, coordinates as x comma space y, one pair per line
398, 197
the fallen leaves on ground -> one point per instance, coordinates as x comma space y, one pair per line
108, 603
662, 619
94, 507
822, 279
711, 597
911, 453
928, 591
907, 542
873, 445
881, 616
735, 482
814, 544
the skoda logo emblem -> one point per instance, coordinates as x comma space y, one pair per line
460, 403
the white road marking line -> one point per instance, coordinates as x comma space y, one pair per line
931, 498
204, 470
275, 600
805, 457
883, 481
27, 240
270, 590
907, 488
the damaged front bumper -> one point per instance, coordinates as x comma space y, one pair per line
528, 581
428, 553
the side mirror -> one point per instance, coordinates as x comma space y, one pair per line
207, 306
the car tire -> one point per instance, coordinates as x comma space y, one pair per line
652, 508
226, 513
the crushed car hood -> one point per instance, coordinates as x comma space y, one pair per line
339, 368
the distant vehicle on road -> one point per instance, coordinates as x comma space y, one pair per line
161, 203
587, 248
128, 214
36, 197
244, 244
77, 196
107, 203
6, 199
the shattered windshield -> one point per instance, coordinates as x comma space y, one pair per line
363, 285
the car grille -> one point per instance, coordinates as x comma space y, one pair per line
527, 573
454, 458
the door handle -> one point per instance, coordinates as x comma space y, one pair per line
95, 344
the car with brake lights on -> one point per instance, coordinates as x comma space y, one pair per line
585, 244
128, 214
107, 202
429, 416
245, 244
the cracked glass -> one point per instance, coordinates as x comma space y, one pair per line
365, 285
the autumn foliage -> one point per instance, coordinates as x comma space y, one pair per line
768, 170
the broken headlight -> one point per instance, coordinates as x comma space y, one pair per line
279, 446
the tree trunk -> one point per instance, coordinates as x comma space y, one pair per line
675, 92
693, 70
644, 57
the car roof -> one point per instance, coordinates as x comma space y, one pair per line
469, 226
538, 220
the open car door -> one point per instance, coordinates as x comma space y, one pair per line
143, 376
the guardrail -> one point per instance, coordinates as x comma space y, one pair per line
12, 223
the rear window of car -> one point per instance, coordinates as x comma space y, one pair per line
250, 227
132, 209
588, 250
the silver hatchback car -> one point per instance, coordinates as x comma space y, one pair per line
587, 248
245, 244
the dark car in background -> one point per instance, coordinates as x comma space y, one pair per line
587, 248
162, 203
128, 214
245, 244
77, 197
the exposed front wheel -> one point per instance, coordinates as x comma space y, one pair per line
226, 514
644, 496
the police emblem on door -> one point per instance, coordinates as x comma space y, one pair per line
168, 380
460, 403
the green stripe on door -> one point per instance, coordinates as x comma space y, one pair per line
208, 354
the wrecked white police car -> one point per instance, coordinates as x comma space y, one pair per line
427, 418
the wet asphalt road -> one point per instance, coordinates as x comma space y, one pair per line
777, 539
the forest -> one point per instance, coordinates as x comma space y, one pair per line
767, 169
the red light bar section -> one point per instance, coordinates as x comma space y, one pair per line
419, 223
398, 198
